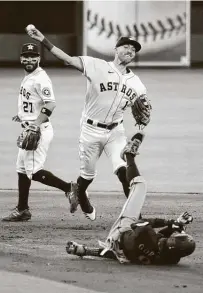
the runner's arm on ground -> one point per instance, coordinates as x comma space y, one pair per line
158, 222
83, 250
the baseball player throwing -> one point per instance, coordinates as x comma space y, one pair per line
36, 102
135, 240
111, 88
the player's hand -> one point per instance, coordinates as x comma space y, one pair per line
34, 33
25, 124
185, 218
74, 248
16, 118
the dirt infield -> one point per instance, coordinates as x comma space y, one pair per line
37, 247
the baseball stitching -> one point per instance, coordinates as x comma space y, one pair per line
157, 29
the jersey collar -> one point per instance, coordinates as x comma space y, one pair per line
128, 71
38, 69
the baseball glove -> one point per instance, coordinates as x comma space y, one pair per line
29, 138
141, 110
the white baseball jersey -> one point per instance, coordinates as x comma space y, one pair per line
109, 92
35, 90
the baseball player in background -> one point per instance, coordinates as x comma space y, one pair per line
111, 88
135, 240
36, 103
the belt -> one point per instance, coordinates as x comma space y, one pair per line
102, 125
26, 123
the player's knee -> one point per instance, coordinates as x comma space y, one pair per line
121, 173
138, 179
38, 176
29, 174
88, 174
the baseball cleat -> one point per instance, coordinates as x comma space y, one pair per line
75, 249
91, 216
18, 216
133, 145
72, 196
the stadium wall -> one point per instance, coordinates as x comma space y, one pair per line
63, 23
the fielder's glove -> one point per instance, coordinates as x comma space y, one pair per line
141, 110
29, 138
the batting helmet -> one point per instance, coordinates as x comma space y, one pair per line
181, 243
178, 244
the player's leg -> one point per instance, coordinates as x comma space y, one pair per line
24, 184
129, 152
83, 199
90, 149
81, 250
138, 188
48, 178
21, 212
35, 161
121, 173
116, 142
132, 208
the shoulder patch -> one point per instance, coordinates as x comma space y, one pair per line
46, 92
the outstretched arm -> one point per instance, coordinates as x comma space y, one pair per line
35, 34
157, 222
170, 226
81, 250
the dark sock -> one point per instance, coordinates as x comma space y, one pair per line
23, 189
123, 179
83, 200
132, 170
47, 178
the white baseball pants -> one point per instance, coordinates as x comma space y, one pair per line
29, 162
93, 141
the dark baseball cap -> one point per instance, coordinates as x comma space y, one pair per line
129, 41
30, 48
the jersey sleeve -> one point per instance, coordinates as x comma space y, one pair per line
89, 66
44, 89
140, 89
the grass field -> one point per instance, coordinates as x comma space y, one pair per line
171, 161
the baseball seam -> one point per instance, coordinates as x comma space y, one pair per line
157, 29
